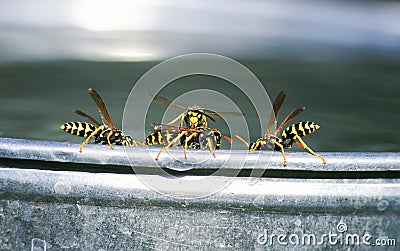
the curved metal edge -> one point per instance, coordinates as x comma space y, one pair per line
280, 195
143, 157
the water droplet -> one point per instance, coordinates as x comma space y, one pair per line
62, 188
280, 197
358, 204
38, 245
382, 205
126, 231
258, 201
220, 243
297, 222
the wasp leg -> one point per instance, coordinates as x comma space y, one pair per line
136, 142
108, 140
257, 144
170, 144
299, 144
210, 146
242, 140
304, 145
176, 119
282, 151
229, 139
186, 141
98, 129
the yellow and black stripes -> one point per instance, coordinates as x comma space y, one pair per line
292, 133
158, 137
209, 139
195, 118
192, 133
265, 144
100, 134
155, 138
81, 129
199, 138
105, 133
299, 130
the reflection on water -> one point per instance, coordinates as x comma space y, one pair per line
356, 104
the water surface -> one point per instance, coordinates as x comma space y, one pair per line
356, 103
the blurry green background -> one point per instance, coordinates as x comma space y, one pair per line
339, 59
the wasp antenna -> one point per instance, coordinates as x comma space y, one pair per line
228, 139
140, 143
242, 140
208, 116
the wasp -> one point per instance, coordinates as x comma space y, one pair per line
200, 138
193, 131
164, 134
206, 138
160, 137
210, 138
105, 133
294, 133
203, 139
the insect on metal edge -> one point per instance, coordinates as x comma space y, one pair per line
270, 141
200, 138
194, 118
105, 132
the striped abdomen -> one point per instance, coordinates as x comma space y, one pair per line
159, 137
81, 129
300, 129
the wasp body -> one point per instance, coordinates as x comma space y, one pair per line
206, 138
101, 134
80, 129
105, 133
192, 133
294, 133
160, 137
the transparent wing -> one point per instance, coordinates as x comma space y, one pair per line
172, 128
80, 113
102, 107
288, 118
220, 114
276, 107
167, 102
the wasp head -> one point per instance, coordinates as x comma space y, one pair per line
195, 117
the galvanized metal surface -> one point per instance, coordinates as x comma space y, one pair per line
53, 210
143, 157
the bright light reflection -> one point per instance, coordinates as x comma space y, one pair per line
118, 16
103, 15
130, 55
306, 188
